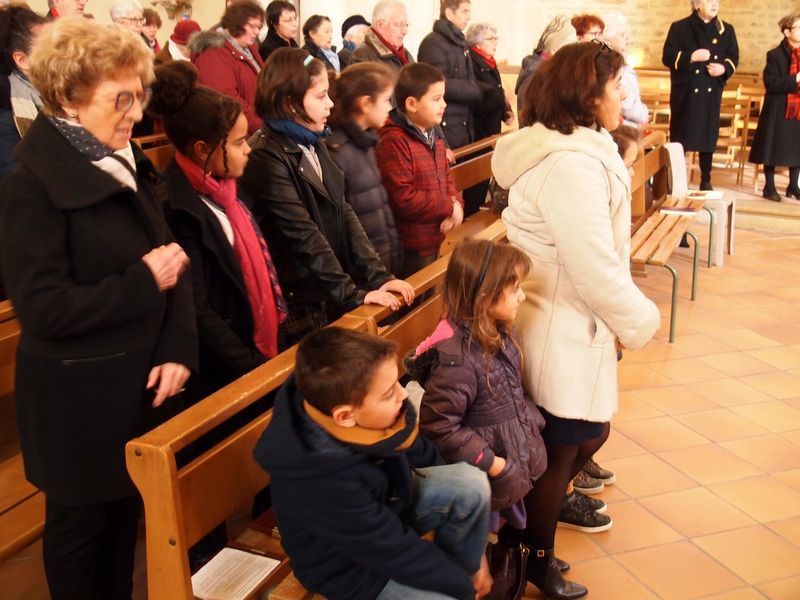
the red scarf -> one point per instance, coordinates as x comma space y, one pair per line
489, 60
793, 99
260, 280
399, 52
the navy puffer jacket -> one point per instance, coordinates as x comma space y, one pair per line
475, 407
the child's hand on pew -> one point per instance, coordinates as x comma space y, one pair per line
399, 286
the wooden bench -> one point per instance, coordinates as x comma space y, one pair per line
654, 242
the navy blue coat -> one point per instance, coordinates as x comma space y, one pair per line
339, 508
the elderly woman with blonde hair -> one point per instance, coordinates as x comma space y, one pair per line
495, 106
108, 328
615, 34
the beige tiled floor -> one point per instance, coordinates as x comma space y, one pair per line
706, 446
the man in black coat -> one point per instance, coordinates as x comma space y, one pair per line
777, 139
701, 53
446, 48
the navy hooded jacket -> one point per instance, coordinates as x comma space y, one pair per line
340, 507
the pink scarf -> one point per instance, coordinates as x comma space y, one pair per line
260, 279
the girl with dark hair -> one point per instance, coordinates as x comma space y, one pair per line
318, 34
362, 97
569, 211
325, 261
238, 299
20, 102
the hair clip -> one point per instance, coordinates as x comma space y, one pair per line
308, 60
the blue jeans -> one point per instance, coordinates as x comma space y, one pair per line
454, 501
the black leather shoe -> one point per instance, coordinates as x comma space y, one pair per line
543, 572
705, 186
772, 195
563, 565
792, 192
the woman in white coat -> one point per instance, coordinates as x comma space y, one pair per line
569, 210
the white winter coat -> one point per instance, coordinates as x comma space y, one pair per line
569, 210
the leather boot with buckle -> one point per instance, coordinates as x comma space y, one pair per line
543, 572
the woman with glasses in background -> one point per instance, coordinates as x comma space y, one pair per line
128, 14
777, 139
108, 327
495, 107
588, 27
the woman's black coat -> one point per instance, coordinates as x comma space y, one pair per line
489, 115
319, 248
224, 317
272, 42
353, 149
695, 96
93, 320
315, 51
777, 139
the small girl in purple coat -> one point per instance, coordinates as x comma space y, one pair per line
474, 407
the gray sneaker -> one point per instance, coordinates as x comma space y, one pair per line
586, 484
592, 503
592, 469
576, 515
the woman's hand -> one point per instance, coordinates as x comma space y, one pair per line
166, 263
169, 378
382, 298
700, 55
715, 69
497, 467
482, 579
405, 289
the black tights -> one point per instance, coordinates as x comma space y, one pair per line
705, 165
769, 178
543, 503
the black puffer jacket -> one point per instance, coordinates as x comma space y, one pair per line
475, 407
494, 105
446, 48
318, 246
353, 149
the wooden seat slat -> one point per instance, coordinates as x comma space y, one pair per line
651, 244
21, 526
14, 488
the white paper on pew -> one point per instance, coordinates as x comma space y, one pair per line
232, 575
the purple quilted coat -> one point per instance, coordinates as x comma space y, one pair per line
474, 408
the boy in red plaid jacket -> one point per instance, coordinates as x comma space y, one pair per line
414, 168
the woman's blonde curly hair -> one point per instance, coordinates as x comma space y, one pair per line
73, 56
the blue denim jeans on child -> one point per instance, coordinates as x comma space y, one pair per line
452, 500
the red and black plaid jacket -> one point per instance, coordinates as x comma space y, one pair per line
417, 178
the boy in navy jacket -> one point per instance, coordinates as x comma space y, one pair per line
353, 485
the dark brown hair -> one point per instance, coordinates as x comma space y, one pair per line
238, 14
354, 82
583, 23
624, 137
787, 21
312, 24
151, 17
275, 9
414, 81
468, 297
192, 113
563, 91
283, 83
452, 5
335, 366
16, 32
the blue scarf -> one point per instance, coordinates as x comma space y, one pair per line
297, 133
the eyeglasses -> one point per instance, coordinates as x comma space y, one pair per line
492, 39
594, 34
124, 100
138, 20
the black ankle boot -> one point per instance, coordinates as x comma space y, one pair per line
511, 537
705, 185
772, 194
792, 192
543, 572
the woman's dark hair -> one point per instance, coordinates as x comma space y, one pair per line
16, 33
335, 366
275, 9
283, 83
312, 24
583, 23
151, 17
563, 92
238, 14
414, 81
354, 82
192, 113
